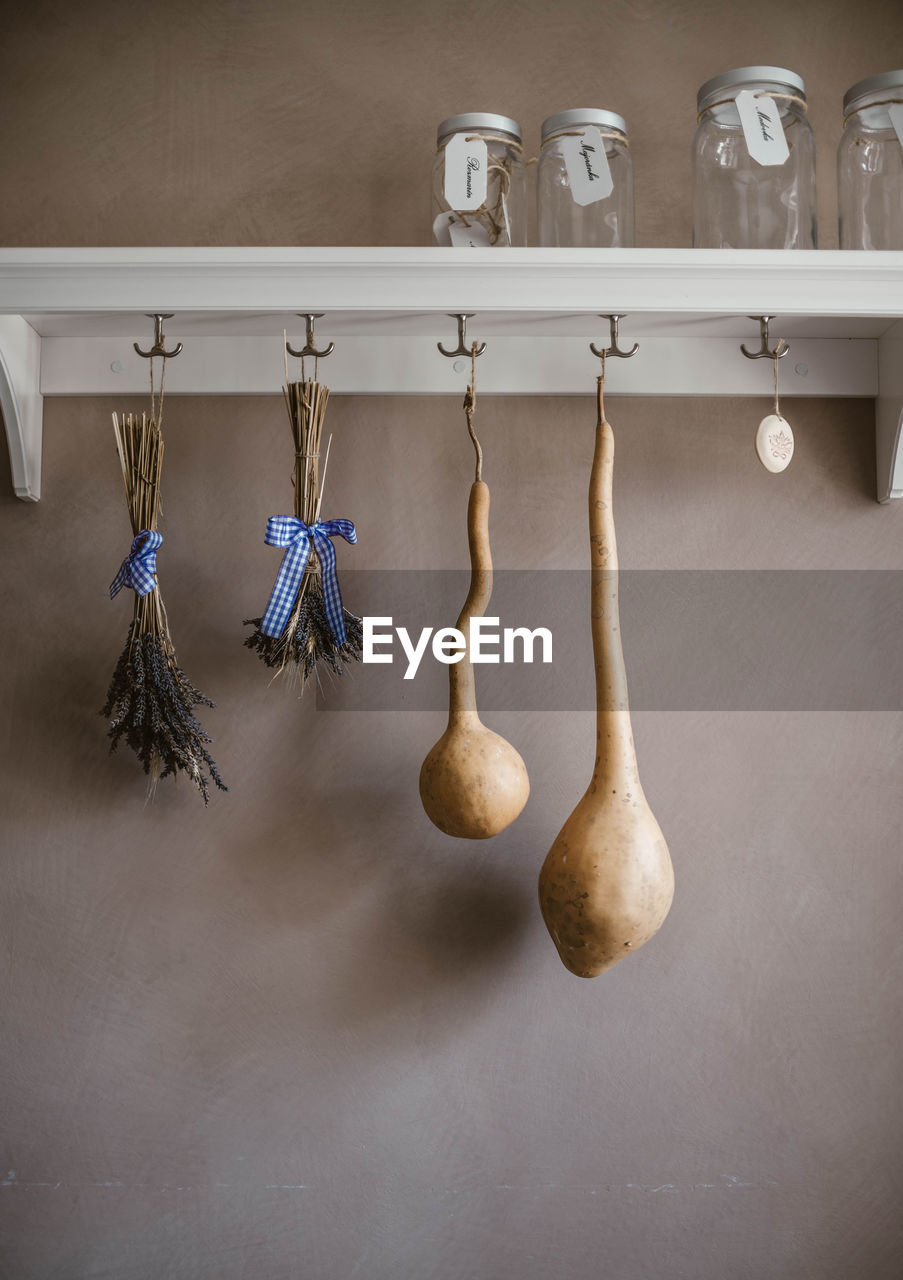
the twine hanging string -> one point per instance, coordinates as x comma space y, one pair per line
157, 404
777, 408
285, 362
470, 404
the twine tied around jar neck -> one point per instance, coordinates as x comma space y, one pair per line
763, 93
578, 133
482, 137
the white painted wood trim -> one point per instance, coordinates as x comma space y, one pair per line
21, 404
537, 281
510, 366
889, 415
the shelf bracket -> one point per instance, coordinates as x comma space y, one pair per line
889, 414
21, 403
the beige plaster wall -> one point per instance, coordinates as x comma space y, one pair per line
302, 1034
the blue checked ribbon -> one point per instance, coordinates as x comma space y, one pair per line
139, 569
297, 537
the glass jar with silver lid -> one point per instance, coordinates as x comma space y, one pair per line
754, 162
870, 164
584, 186
479, 182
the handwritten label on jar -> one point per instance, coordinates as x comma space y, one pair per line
449, 229
589, 176
762, 128
895, 111
466, 162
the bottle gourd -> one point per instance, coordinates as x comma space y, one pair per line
607, 883
472, 783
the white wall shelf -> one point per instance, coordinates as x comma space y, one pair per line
68, 318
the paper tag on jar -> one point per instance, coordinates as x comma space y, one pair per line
589, 176
463, 237
465, 172
449, 229
896, 118
762, 128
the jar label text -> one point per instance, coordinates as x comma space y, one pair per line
466, 165
589, 176
762, 128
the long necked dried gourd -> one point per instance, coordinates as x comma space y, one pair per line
607, 882
473, 783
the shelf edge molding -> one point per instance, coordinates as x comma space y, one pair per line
717, 281
21, 404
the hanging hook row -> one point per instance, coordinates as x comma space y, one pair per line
614, 349
157, 349
462, 349
764, 353
309, 349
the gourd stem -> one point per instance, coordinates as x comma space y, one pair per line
615, 753
462, 699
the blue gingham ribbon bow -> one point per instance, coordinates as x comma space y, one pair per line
297, 537
139, 569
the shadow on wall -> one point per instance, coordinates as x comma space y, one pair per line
55, 700
407, 914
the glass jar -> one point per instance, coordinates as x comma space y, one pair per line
479, 183
745, 203
870, 165
584, 185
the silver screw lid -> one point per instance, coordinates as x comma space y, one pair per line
741, 76
887, 81
479, 120
583, 116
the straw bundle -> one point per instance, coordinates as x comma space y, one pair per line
307, 639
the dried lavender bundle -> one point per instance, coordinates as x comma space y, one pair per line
151, 701
308, 638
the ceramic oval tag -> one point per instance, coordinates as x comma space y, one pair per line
774, 442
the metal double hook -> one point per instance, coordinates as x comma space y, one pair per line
309, 349
462, 349
157, 348
763, 353
614, 349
